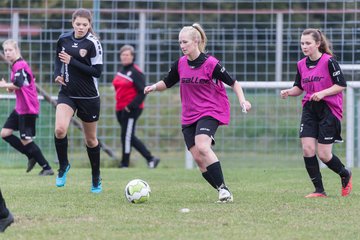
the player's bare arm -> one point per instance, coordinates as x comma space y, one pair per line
335, 89
159, 86
245, 105
9, 86
60, 79
293, 92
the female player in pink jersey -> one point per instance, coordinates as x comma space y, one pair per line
320, 77
23, 117
205, 104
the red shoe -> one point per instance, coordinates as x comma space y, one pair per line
316, 195
346, 185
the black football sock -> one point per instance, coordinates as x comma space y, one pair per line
313, 169
34, 151
94, 157
61, 146
4, 212
336, 165
209, 179
15, 142
125, 160
216, 173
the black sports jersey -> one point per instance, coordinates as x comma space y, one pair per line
334, 71
219, 72
85, 66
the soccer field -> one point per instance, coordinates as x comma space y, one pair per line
268, 203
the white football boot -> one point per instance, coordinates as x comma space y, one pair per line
225, 195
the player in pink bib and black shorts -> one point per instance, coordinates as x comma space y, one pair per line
23, 117
205, 104
320, 77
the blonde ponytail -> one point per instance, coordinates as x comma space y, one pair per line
197, 33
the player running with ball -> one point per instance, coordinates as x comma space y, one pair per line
205, 104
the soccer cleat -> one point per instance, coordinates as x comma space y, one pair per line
46, 172
5, 222
153, 162
316, 195
31, 164
225, 195
96, 185
61, 177
346, 183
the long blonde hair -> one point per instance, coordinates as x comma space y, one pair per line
318, 36
197, 33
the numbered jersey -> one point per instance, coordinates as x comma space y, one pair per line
84, 69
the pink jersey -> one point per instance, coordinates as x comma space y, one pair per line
200, 94
26, 97
317, 79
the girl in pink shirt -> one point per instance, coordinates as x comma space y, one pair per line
23, 117
319, 75
205, 104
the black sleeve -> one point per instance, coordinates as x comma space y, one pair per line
173, 76
221, 74
335, 72
297, 82
21, 78
58, 71
94, 70
139, 83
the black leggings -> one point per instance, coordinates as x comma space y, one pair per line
127, 122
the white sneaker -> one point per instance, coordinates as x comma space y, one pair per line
225, 196
154, 162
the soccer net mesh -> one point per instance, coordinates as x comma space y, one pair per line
257, 41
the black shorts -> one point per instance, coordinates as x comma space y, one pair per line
88, 110
317, 121
205, 125
25, 124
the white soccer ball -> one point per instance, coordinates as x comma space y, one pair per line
137, 191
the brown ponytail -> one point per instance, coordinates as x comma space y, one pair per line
318, 36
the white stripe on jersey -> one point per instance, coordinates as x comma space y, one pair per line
337, 75
96, 85
125, 76
98, 57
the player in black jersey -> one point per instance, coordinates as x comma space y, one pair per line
78, 66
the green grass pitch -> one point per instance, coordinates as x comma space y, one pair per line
268, 203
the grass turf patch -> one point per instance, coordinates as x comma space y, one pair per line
268, 204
